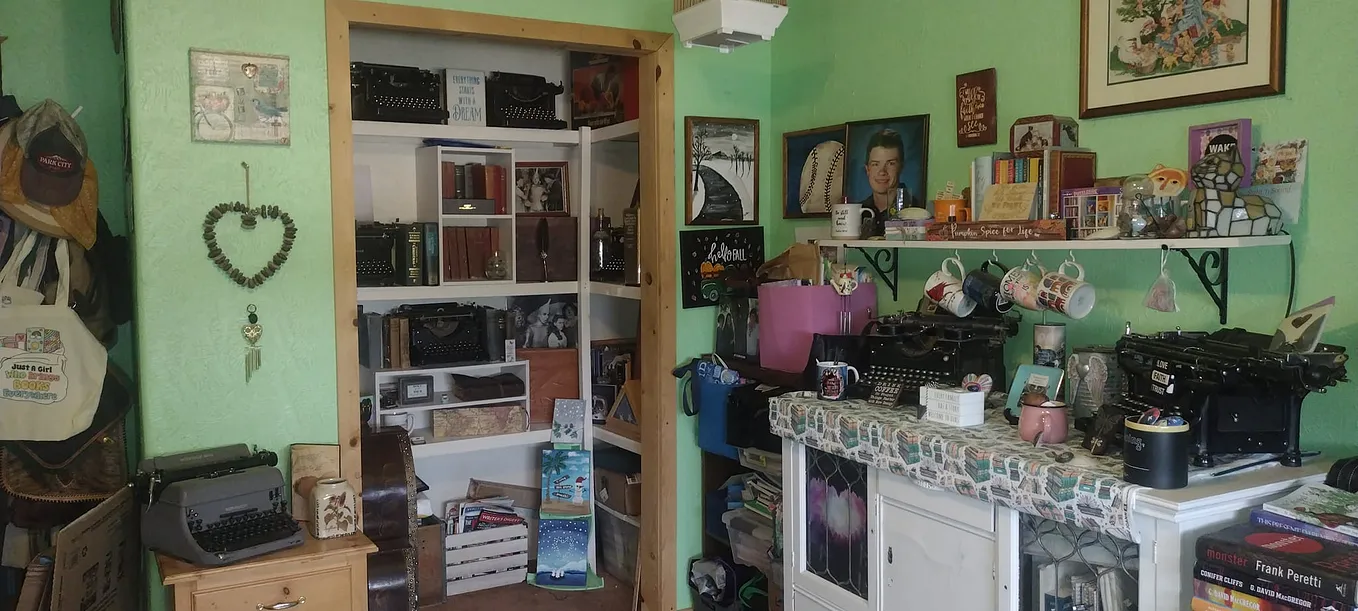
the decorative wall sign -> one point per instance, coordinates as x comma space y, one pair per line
723, 171
466, 97
1046, 229
1140, 55
976, 108
239, 97
708, 257
814, 162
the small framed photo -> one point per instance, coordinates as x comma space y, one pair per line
542, 188
604, 396
415, 390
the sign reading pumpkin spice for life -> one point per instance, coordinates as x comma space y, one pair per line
976, 108
708, 256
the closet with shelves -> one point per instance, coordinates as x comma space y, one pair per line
441, 180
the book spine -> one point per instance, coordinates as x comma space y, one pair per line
1281, 522
1281, 594
412, 256
404, 324
460, 185
449, 180
447, 246
1297, 573
431, 254
463, 269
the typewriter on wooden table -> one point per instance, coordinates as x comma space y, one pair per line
1237, 395
910, 350
215, 507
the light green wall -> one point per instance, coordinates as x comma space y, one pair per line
846, 60
196, 395
63, 49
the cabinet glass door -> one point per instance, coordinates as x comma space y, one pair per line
837, 521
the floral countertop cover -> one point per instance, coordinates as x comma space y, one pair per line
987, 462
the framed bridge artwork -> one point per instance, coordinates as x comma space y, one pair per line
722, 170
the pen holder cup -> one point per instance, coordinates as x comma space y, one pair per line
1155, 456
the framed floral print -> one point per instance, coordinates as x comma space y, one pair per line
1140, 55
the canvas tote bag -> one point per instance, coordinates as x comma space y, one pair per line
51, 368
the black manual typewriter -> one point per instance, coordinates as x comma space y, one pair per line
1237, 395
522, 100
912, 350
453, 333
397, 93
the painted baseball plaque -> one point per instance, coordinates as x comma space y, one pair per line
813, 171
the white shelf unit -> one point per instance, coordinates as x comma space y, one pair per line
430, 188
536, 435
604, 435
627, 131
416, 133
1139, 244
465, 290
609, 289
443, 386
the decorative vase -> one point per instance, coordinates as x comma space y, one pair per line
332, 503
495, 267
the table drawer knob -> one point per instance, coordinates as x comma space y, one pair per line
283, 605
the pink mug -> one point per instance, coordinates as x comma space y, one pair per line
1044, 423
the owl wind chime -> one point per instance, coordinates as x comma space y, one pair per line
250, 216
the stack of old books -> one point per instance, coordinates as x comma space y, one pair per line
1298, 552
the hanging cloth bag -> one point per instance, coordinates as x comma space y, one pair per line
51, 368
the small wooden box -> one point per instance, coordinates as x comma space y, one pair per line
1042, 131
480, 421
485, 559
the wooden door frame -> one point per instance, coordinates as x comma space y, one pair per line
655, 51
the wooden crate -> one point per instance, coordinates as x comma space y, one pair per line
485, 559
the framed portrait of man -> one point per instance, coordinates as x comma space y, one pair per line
884, 154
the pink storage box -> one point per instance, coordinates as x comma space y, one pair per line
791, 316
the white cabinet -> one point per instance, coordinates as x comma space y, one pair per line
937, 549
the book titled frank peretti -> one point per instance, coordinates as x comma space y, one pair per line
1282, 594
1320, 567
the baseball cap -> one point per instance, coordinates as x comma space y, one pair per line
38, 154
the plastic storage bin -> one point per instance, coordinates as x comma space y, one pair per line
751, 539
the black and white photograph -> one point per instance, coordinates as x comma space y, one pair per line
542, 188
722, 170
545, 321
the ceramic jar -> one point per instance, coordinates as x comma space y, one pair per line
333, 503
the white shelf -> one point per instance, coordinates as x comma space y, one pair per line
633, 520
615, 290
616, 440
465, 290
415, 133
627, 131
455, 404
494, 366
537, 434
1146, 244
476, 217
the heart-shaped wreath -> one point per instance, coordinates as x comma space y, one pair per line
249, 219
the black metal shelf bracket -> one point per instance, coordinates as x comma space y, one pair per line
1216, 284
885, 261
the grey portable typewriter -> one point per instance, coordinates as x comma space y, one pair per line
215, 507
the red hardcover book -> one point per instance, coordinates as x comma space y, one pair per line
447, 245
1312, 565
497, 189
449, 186
476, 181
477, 241
463, 270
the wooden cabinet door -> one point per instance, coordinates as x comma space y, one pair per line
929, 562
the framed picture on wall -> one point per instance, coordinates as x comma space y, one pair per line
884, 154
813, 171
1140, 55
722, 170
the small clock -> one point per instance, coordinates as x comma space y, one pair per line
415, 390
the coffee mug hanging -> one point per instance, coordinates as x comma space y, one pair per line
250, 216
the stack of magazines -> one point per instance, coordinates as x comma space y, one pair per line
1298, 552
464, 516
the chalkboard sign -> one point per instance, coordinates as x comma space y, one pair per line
708, 256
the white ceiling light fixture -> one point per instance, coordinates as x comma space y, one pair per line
727, 24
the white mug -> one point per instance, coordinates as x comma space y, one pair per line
398, 419
945, 289
846, 221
